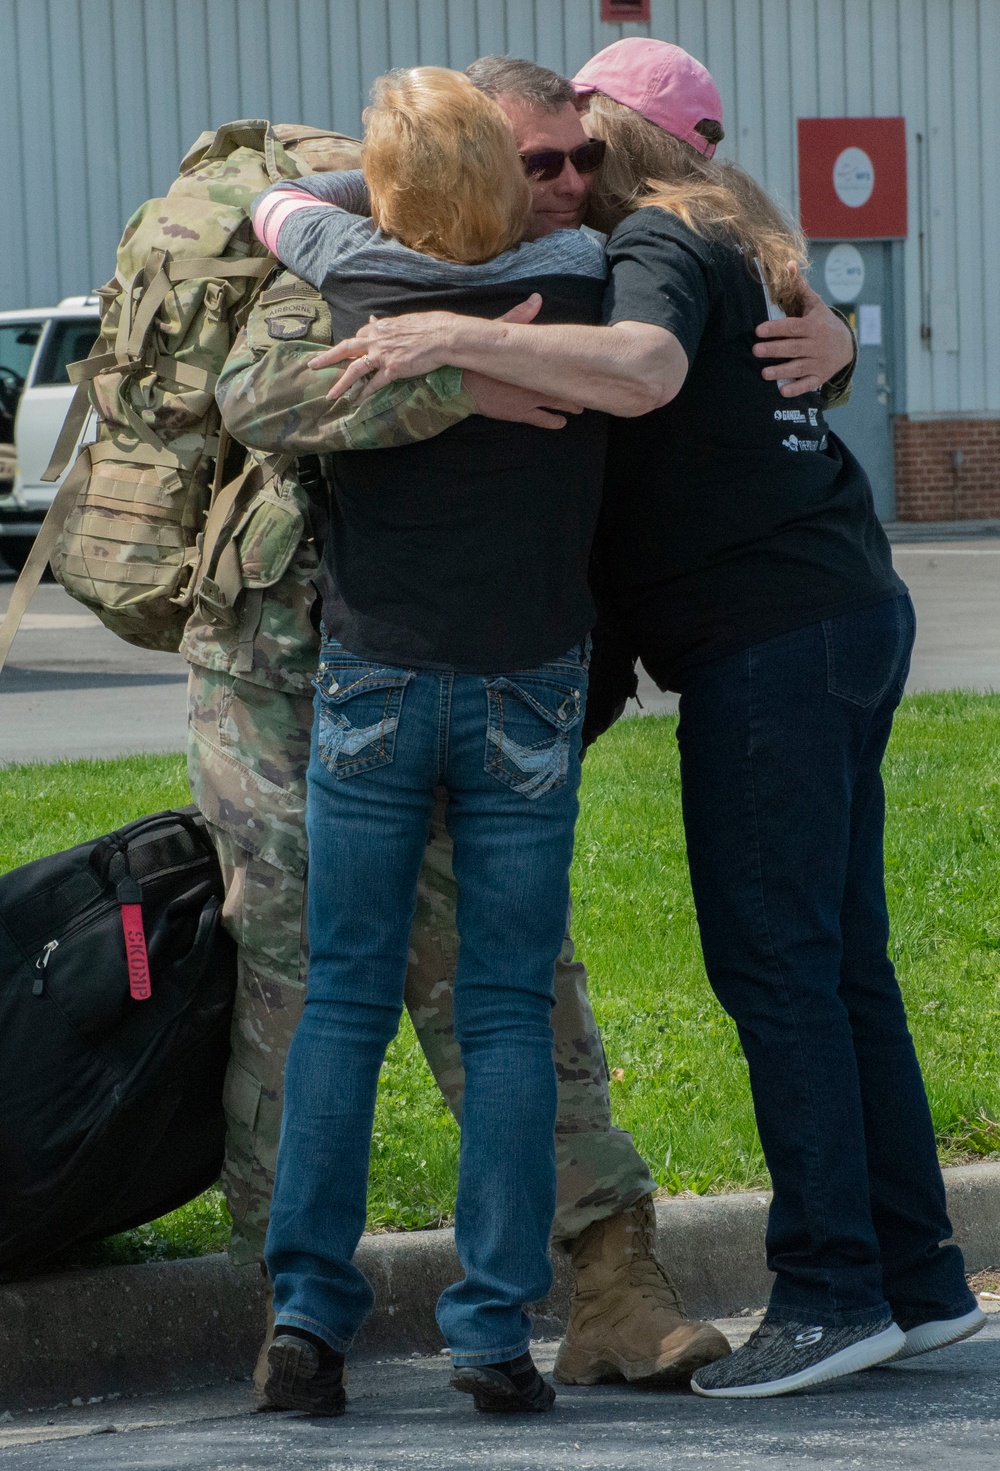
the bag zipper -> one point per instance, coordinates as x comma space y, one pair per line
40, 964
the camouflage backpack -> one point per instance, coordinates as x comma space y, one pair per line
123, 533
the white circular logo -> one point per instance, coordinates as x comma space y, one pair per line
854, 177
844, 273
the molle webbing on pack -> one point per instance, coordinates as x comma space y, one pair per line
124, 532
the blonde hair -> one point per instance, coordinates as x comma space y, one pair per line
442, 167
645, 166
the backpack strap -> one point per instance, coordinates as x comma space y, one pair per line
41, 550
76, 417
194, 266
79, 373
250, 133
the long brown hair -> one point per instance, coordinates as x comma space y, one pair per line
442, 166
646, 166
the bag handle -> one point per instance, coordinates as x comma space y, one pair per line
248, 132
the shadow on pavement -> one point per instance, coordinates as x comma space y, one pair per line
19, 681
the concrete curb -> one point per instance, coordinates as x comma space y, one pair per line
174, 1325
900, 532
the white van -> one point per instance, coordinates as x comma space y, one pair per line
35, 347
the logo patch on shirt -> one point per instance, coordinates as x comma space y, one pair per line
794, 443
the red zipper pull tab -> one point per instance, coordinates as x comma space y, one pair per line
130, 898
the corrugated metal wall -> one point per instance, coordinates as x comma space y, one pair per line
99, 99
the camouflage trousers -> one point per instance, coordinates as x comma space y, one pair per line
247, 756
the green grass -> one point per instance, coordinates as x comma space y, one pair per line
680, 1083
45, 808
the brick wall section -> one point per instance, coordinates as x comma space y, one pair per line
929, 487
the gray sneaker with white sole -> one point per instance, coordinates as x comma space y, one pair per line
783, 1357
921, 1338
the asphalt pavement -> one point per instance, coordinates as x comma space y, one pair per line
940, 1411
73, 689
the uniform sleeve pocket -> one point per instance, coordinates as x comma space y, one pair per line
267, 540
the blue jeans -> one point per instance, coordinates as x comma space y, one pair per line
506, 749
781, 747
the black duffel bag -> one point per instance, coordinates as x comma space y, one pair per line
116, 990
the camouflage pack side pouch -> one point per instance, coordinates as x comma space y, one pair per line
285, 645
125, 549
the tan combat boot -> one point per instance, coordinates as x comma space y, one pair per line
626, 1318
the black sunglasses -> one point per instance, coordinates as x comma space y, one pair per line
549, 163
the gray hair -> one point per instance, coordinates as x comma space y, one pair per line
509, 76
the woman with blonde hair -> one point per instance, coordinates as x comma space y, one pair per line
739, 556
456, 612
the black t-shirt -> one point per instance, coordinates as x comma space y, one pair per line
731, 514
468, 551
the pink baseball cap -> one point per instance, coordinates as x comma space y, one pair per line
660, 81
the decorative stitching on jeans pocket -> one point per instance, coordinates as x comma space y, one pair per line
349, 746
517, 710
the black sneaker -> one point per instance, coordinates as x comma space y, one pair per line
511, 1388
782, 1357
922, 1337
303, 1373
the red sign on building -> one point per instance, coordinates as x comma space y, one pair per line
852, 177
616, 12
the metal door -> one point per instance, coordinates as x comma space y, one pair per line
858, 277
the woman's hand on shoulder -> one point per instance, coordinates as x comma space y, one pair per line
387, 348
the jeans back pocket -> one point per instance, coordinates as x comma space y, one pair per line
530, 722
359, 708
868, 651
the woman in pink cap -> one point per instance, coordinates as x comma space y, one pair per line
739, 556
